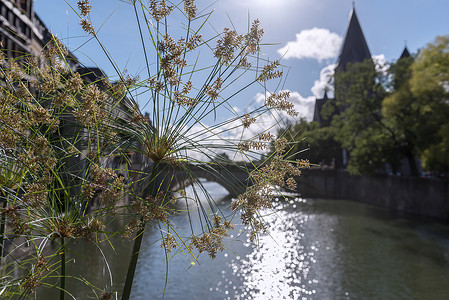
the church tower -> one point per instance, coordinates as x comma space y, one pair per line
353, 50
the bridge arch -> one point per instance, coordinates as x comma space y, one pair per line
232, 177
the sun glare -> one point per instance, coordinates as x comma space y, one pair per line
268, 3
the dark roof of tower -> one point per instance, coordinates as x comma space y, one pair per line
317, 111
354, 47
405, 53
319, 106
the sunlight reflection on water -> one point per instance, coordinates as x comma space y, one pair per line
278, 268
317, 249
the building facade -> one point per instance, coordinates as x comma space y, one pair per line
21, 30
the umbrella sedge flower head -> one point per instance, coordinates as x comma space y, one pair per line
190, 9
84, 7
247, 120
94, 156
159, 9
87, 26
270, 71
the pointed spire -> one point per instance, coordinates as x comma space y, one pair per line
354, 48
405, 53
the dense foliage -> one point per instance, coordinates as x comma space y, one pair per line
384, 118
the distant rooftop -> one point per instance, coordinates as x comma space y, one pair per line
405, 53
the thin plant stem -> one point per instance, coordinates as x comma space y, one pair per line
62, 291
2, 228
133, 263
138, 241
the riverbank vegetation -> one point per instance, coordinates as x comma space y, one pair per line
78, 153
384, 117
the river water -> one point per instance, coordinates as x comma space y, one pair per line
316, 249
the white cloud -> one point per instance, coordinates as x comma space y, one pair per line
381, 63
316, 43
326, 82
304, 106
236, 109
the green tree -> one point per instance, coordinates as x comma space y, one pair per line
401, 109
430, 84
357, 119
417, 110
381, 117
312, 142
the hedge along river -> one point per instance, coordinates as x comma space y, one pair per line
316, 249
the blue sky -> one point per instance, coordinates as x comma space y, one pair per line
387, 25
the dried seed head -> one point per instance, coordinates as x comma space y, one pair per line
168, 243
15, 72
227, 45
131, 227
41, 263
303, 163
212, 241
84, 7
266, 136
216, 220
129, 80
247, 120
291, 183
156, 84
280, 101
90, 110
55, 48
269, 71
280, 145
184, 100
36, 194
31, 283
74, 84
258, 145
248, 145
87, 26
213, 91
252, 39
63, 227
190, 9
159, 9
244, 63
106, 295
244, 146
194, 41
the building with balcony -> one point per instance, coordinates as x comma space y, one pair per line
21, 30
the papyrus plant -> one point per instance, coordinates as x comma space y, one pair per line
76, 142
55, 144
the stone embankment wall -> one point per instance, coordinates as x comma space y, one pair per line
428, 197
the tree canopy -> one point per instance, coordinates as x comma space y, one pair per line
392, 116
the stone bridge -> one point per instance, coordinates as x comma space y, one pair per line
233, 177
